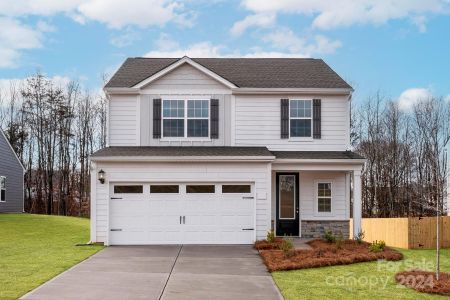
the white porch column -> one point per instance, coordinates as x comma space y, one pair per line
357, 205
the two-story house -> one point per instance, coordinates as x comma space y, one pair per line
221, 150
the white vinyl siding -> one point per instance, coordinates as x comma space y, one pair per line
308, 196
198, 173
123, 121
186, 78
257, 123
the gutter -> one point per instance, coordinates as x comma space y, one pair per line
282, 91
183, 159
320, 161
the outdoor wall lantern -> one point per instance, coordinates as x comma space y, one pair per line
101, 176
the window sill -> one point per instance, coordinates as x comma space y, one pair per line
185, 139
301, 139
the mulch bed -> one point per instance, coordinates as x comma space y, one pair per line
265, 245
425, 282
323, 254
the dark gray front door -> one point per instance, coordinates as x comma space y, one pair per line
287, 204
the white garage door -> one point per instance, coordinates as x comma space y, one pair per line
191, 213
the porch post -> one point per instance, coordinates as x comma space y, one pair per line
357, 206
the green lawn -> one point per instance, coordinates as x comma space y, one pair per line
35, 248
359, 281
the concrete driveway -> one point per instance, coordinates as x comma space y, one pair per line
164, 272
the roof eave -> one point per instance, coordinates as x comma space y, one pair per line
355, 161
181, 158
121, 90
304, 91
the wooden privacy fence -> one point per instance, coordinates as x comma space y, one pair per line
408, 233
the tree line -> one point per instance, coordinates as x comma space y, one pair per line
405, 173
53, 128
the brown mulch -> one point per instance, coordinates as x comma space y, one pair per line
425, 282
325, 254
265, 245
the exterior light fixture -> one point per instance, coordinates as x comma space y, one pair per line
101, 176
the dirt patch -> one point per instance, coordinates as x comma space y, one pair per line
325, 254
425, 282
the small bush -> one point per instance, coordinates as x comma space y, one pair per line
377, 246
359, 238
287, 246
329, 236
270, 236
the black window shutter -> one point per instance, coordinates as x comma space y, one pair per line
156, 118
214, 118
284, 118
317, 115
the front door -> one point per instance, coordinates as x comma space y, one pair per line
287, 205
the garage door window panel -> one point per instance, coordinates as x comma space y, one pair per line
236, 189
200, 189
128, 189
164, 189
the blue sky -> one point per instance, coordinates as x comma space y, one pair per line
401, 49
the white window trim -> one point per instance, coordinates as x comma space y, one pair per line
300, 138
1, 179
316, 198
185, 98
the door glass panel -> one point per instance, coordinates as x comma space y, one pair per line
287, 196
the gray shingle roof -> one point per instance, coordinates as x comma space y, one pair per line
316, 155
168, 151
181, 151
242, 72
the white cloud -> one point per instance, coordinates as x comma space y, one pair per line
113, 13
447, 98
142, 13
202, 49
284, 38
15, 36
125, 39
411, 97
344, 13
168, 47
257, 20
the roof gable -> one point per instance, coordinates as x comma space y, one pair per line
240, 72
4, 140
182, 62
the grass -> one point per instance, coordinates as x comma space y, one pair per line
371, 280
35, 248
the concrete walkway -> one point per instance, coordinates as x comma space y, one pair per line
164, 272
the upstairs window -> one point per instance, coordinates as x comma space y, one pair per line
185, 118
300, 120
2, 188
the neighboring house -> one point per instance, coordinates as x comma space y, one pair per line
221, 150
11, 178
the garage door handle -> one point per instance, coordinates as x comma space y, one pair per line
248, 197
248, 229
184, 219
116, 229
180, 219
114, 198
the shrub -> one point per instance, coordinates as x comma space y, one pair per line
270, 236
359, 238
287, 246
329, 236
377, 246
